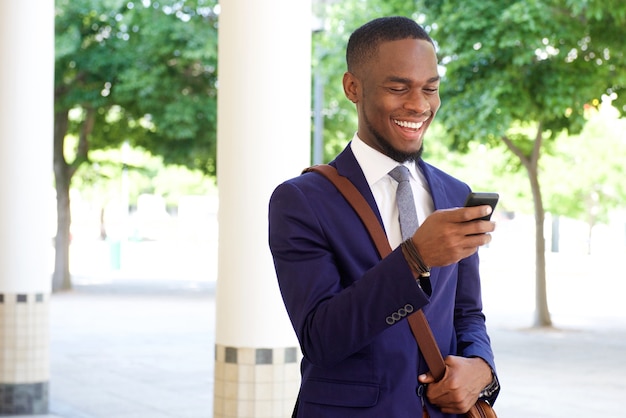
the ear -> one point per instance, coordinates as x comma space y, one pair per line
351, 87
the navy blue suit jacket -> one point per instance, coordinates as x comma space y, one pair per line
347, 306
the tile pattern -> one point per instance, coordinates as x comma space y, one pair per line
24, 399
24, 352
255, 382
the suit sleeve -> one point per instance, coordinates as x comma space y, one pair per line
469, 323
337, 292
472, 339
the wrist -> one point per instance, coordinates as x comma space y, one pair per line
491, 383
491, 388
414, 259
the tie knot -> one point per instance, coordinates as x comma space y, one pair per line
400, 173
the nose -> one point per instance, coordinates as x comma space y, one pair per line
417, 102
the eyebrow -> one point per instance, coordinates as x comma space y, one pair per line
405, 80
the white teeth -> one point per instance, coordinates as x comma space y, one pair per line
410, 125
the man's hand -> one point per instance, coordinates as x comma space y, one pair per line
448, 236
460, 387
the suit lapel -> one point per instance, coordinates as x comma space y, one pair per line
347, 166
437, 189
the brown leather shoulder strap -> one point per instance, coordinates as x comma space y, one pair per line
418, 322
426, 341
358, 203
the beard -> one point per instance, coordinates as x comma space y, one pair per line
389, 150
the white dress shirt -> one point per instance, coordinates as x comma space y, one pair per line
376, 167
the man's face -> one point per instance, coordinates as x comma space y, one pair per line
397, 96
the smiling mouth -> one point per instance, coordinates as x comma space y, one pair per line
409, 125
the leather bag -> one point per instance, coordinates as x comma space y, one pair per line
417, 321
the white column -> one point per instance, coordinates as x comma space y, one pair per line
264, 124
26, 202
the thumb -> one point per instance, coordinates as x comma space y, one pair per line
426, 378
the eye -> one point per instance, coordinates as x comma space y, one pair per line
399, 89
431, 90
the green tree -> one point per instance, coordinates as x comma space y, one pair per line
519, 73
140, 72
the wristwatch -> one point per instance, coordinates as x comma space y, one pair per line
490, 389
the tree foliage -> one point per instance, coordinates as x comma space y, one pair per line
147, 70
528, 62
140, 72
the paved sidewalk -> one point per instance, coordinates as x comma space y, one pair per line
133, 349
572, 372
145, 349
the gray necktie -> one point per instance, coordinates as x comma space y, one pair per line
405, 202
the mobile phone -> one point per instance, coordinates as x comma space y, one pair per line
482, 198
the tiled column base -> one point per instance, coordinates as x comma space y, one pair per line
255, 382
24, 353
24, 399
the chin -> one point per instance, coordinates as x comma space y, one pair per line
402, 156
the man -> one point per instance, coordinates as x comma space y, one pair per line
338, 292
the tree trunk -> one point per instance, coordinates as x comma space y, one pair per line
531, 163
63, 173
542, 314
61, 276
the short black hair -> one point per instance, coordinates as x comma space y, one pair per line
363, 43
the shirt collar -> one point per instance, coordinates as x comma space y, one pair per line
375, 164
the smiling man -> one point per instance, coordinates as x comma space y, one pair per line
347, 305
396, 92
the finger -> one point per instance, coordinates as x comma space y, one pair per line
478, 226
426, 378
473, 213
